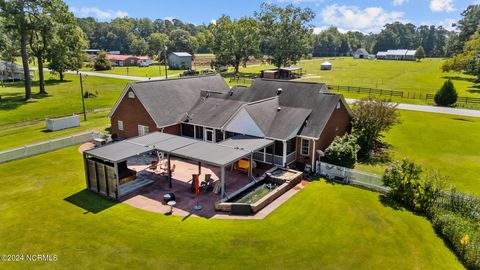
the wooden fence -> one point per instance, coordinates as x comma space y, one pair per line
401, 94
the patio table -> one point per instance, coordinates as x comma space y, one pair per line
171, 204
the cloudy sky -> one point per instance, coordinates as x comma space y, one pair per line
366, 16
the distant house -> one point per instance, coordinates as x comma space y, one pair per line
122, 60
285, 73
400, 54
144, 61
361, 53
10, 71
326, 66
180, 60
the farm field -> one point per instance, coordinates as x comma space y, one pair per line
46, 210
63, 98
446, 143
420, 77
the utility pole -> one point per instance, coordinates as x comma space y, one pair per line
166, 75
159, 66
83, 98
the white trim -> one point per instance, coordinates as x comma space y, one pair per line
117, 103
313, 156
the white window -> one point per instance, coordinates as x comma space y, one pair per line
120, 125
305, 147
131, 94
142, 130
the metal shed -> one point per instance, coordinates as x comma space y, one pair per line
106, 166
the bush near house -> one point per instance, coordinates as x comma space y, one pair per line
447, 95
343, 151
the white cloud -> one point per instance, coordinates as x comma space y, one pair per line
98, 13
301, 1
399, 2
370, 19
213, 21
169, 18
442, 5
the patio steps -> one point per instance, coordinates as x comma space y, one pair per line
132, 186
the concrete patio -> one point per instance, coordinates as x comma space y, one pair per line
150, 197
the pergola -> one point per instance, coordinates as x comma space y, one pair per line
102, 164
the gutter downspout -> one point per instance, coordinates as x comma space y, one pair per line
313, 157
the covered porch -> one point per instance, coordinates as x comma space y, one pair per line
108, 173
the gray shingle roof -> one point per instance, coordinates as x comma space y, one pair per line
167, 101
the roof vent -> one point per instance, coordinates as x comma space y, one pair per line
279, 91
279, 109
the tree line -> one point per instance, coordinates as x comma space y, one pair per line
40, 31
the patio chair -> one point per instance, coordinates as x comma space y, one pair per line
153, 165
217, 186
207, 184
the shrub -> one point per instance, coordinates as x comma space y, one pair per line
420, 53
102, 62
408, 188
343, 151
371, 117
447, 95
462, 234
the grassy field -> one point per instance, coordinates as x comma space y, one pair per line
446, 143
45, 210
63, 98
151, 71
18, 135
420, 77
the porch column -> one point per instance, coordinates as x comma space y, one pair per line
284, 164
313, 156
273, 154
199, 169
250, 171
169, 171
222, 182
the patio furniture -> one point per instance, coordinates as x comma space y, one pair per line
243, 165
207, 184
217, 186
169, 197
153, 165
171, 204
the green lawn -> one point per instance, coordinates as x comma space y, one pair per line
18, 135
45, 210
446, 143
420, 77
151, 71
64, 98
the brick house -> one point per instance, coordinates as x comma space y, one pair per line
302, 118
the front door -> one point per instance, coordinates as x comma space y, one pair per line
209, 135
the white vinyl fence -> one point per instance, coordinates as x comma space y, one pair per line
47, 146
351, 176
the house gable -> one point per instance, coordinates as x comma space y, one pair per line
243, 123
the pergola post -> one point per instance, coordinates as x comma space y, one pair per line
169, 171
199, 169
222, 182
85, 168
117, 179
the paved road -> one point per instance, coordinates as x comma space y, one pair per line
123, 77
433, 109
